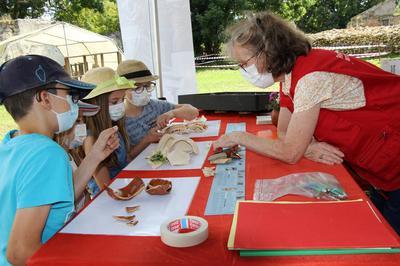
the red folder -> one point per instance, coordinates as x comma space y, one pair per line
309, 225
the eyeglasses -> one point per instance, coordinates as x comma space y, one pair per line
148, 88
75, 94
242, 65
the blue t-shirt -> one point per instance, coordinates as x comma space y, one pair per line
137, 127
34, 171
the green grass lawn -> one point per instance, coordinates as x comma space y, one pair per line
224, 80
7, 122
208, 80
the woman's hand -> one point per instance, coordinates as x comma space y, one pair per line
153, 136
106, 143
324, 153
163, 120
228, 140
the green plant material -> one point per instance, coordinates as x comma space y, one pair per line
273, 102
102, 19
36, 8
332, 14
158, 157
100, 16
6, 122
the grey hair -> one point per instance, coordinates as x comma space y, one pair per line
273, 37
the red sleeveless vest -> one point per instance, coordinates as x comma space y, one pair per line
369, 136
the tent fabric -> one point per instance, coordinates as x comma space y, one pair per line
60, 38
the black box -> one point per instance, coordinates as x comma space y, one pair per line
228, 101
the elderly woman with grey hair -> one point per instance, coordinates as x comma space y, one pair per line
333, 107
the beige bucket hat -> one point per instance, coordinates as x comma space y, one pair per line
135, 70
106, 81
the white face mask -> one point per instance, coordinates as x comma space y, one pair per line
66, 119
260, 80
80, 134
117, 111
140, 99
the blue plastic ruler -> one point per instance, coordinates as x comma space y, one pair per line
229, 181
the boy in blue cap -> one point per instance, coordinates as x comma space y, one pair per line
36, 185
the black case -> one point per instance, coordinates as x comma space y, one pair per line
228, 101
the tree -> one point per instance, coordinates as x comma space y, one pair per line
36, 8
22, 8
103, 22
209, 20
68, 10
100, 16
292, 10
330, 14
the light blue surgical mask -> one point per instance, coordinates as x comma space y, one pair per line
67, 119
117, 111
80, 134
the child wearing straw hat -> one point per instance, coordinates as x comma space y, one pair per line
109, 94
144, 116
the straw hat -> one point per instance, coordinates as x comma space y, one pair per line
106, 81
135, 70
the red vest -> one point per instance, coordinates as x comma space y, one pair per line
369, 136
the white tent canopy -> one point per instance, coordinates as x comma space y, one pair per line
159, 33
70, 40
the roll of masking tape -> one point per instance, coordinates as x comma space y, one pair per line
184, 232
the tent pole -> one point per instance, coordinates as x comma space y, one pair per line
66, 46
67, 66
157, 55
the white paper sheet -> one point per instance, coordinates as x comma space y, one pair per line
212, 130
140, 163
98, 219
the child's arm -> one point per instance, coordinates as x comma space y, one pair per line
102, 177
186, 111
26, 233
101, 174
107, 142
183, 111
152, 137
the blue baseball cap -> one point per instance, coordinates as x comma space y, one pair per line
32, 71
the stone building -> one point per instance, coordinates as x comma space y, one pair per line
385, 13
10, 27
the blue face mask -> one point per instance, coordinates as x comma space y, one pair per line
67, 119
117, 111
80, 134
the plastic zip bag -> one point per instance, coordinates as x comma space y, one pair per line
311, 184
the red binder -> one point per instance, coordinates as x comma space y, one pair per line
309, 225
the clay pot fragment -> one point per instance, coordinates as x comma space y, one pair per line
129, 220
124, 218
132, 209
197, 125
176, 150
128, 192
223, 156
159, 187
